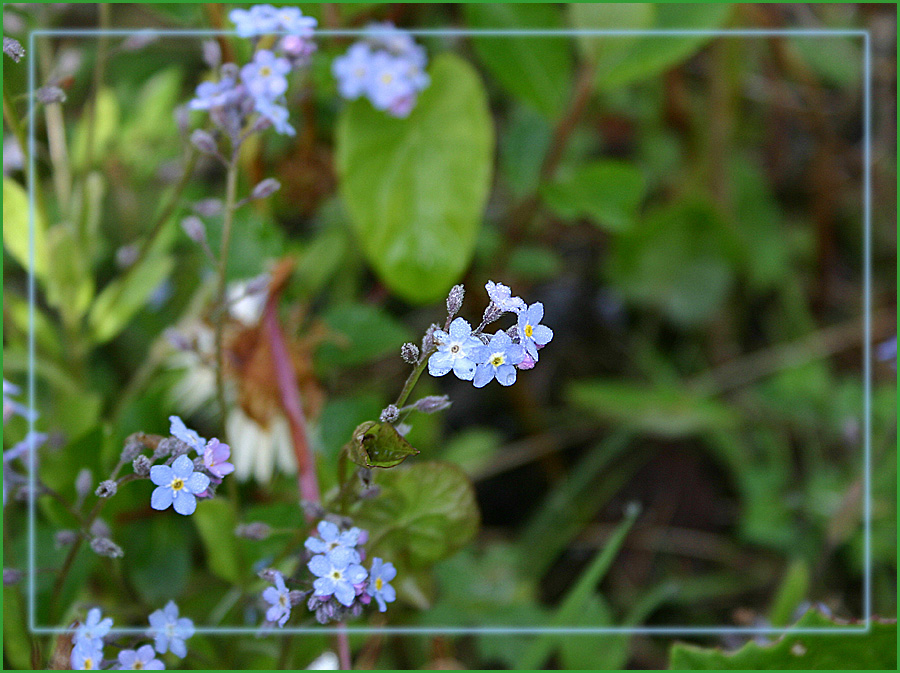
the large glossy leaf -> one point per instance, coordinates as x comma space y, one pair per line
608, 192
622, 60
538, 70
116, 305
424, 513
15, 228
415, 188
874, 650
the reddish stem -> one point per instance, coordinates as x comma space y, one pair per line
290, 400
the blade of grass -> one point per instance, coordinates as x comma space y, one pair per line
575, 599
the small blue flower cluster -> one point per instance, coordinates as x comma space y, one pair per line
259, 86
388, 68
168, 630
342, 585
12, 408
478, 357
180, 484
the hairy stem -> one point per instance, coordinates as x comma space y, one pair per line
413, 378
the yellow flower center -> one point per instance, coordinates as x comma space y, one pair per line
454, 348
88, 664
177, 484
265, 71
529, 330
387, 78
497, 359
378, 584
138, 665
336, 574
281, 601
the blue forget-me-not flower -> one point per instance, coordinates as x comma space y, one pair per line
331, 537
498, 359
178, 484
280, 599
338, 575
86, 656
142, 659
387, 68
532, 334
190, 437
501, 296
378, 588
169, 631
93, 629
456, 350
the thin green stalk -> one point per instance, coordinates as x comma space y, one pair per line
230, 197
413, 378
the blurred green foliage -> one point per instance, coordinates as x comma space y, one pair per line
688, 211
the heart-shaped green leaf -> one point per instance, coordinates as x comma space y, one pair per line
415, 188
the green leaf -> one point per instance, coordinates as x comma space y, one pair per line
158, 556
216, 520
416, 188
876, 650
534, 263
680, 259
361, 333
106, 124
523, 144
70, 287
424, 513
836, 60
16, 641
117, 304
579, 598
792, 592
622, 60
664, 411
607, 192
15, 228
538, 70
378, 445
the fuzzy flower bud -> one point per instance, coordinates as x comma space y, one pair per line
49, 94
433, 404
428, 339
268, 575
83, 482
410, 353
103, 546
455, 299
265, 188
182, 120
208, 207
142, 466
178, 340
297, 597
195, 229
212, 53
132, 450
11, 576
256, 530
204, 142
100, 529
106, 489
389, 414
65, 538
13, 49
492, 313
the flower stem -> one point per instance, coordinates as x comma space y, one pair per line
222, 314
413, 378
